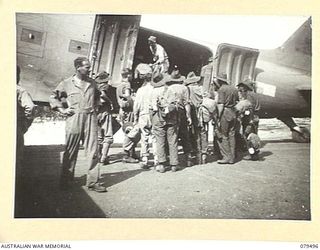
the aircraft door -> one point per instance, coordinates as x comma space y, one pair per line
113, 44
234, 63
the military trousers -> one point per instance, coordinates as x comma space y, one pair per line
183, 131
81, 126
145, 126
166, 135
227, 142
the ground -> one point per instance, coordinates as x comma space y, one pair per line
275, 187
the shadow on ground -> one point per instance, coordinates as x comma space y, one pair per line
37, 193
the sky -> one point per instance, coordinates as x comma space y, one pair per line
261, 32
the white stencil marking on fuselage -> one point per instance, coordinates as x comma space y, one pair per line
266, 89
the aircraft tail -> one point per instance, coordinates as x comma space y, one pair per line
296, 51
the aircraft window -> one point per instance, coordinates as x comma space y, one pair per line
78, 47
31, 36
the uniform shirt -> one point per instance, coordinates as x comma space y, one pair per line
143, 99
159, 54
25, 109
228, 96
195, 94
80, 95
178, 93
156, 94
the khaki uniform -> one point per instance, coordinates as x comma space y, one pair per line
25, 109
228, 96
181, 95
141, 110
160, 56
164, 127
253, 98
199, 131
105, 130
83, 98
126, 116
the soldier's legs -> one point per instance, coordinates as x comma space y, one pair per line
107, 133
184, 132
145, 127
160, 141
91, 149
69, 158
203, 144
224, 144
232, 140
172, 138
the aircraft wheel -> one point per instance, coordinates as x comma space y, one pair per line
301, 137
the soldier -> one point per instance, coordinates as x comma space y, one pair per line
181, 96
206, 75
203, 110
160, 56
25, 108
164, 123
253, 98
105, 131
245, 109
141, 110
126, 117
227, 99
77, 98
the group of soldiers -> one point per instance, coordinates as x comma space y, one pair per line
167, 110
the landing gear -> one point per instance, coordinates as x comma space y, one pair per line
299, 134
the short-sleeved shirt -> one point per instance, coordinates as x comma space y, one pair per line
143, 99
159, 53
80, 95
228, 96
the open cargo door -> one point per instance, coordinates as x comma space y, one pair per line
113, 44
235, 63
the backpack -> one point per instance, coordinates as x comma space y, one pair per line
165, 107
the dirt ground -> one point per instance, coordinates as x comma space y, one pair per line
275, 187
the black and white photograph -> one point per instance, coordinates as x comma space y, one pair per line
163, 116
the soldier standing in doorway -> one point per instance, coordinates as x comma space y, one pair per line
160, 56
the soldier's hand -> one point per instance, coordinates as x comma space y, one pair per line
67, 111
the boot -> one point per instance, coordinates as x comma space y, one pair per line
128, 158
144, 162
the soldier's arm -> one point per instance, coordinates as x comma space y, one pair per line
136, 107
27, 104
56, 102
